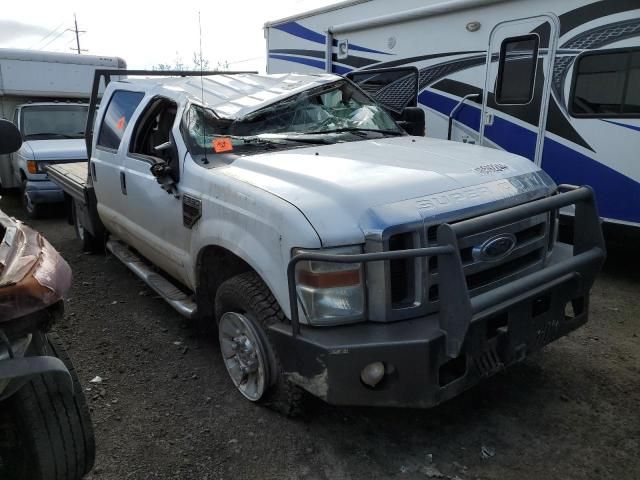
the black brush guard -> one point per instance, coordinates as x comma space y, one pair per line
326, 361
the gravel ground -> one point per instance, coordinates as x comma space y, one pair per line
166, 408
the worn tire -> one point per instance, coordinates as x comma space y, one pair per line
247, 294
88, 242
33, 209
50, 427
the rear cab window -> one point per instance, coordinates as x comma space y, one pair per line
121, 106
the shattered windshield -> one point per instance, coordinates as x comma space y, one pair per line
332, 113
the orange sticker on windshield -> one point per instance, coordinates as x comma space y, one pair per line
222, 144
120, 124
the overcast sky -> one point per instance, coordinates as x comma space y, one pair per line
146, 33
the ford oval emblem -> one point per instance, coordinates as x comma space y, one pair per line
495, 248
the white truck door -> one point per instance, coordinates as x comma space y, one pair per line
154, 214
106, 166
519, 65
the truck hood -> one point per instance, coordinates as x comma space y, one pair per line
350, 190
56, 149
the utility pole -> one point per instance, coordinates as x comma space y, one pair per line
78, 32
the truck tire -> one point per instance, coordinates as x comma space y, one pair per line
88, 242
245, 307
33, 209
48, 427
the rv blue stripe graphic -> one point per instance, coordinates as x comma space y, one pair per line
625, 125
295, 29
618, 196
311, 62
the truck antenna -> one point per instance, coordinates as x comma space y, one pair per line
204, 128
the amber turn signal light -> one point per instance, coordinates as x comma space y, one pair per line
32, 166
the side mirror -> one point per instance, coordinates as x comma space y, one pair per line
10, 138
413, 121
162, 172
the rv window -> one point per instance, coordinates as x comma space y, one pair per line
632, 97
607, 84
517, 70
121, 107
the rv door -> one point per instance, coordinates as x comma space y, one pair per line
519, 66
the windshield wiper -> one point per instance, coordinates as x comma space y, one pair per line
299, 138
356, 130
274, 139
50, 134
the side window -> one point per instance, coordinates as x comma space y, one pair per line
607, 84
152, 134
15, 117
121, 106
153, 129
517, 70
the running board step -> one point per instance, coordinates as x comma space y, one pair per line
182, 302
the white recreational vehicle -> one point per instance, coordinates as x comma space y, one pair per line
45, 94
557, 82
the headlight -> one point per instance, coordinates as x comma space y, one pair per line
331, 293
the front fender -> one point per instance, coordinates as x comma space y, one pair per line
19, 161
261, 229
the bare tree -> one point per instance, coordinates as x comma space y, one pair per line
179, 64
198, 63
222, 66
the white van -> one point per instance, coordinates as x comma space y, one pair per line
44, 94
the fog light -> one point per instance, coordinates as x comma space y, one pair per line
372, 374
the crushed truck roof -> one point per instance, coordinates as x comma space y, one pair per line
233, 96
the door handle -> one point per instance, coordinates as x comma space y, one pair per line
123, 183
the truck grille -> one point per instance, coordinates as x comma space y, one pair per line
531, 246
402, 272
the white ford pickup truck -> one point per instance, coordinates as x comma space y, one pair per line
335, 253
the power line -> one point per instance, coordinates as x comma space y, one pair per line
47, 35
245, 60
74, 30
54, 39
